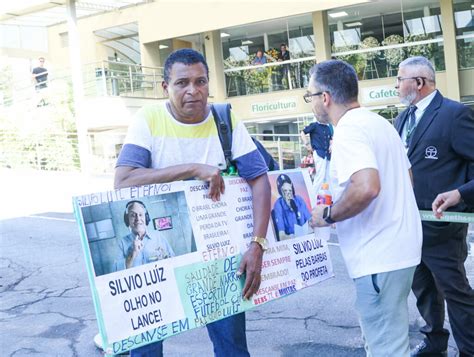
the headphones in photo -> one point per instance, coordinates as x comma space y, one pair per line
125, 214
282, 179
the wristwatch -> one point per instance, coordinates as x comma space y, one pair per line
327, 215
263, 242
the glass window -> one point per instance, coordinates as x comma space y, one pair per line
278, 70
346, 38
282, 137
424, 22
166, 47
359, 34
302, 44
240, 53
464, 21
300, 36
242, 49
392, 24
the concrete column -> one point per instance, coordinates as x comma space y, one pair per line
213, 46
265, 42
321, 36
450, 50
150, 55
77, 86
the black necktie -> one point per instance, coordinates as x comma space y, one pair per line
411, 124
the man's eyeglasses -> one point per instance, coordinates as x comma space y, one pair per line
308, 97
399, 79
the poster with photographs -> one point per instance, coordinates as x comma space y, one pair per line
162, 259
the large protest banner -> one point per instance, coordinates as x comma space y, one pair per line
192, 250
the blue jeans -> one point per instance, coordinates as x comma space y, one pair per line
383, 311
227, 336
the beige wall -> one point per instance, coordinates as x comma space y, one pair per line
195, 16
243, 105
167, 19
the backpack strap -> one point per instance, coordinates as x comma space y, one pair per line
222, 118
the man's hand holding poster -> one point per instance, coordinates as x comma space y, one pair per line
163, 258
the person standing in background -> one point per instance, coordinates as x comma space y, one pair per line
40, 75
259, 58
320, 135
439, 137
40, 79
283, 55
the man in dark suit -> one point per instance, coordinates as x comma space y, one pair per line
439, 137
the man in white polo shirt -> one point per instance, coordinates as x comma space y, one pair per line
375, 212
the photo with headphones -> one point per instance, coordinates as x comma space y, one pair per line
291, 204
129, 233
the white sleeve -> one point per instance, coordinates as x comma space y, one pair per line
139, 131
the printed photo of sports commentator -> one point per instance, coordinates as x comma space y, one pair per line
290, 213
140, 246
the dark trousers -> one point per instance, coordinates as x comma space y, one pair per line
441, 276
227, 336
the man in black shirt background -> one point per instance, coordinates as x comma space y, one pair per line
40, 75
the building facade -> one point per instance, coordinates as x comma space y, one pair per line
373, 36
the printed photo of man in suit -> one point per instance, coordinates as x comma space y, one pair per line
439, 137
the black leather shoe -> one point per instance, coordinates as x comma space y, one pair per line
424, 350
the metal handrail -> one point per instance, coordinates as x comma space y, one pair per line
133, 79
99, 63
270, 64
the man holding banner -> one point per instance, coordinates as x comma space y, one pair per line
439, 137
178, 140
377, 221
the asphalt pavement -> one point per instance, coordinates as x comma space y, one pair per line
46, 306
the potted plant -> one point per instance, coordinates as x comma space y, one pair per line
393, 56
234, 79
425, 50
257, 80
355, 59
370, 67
